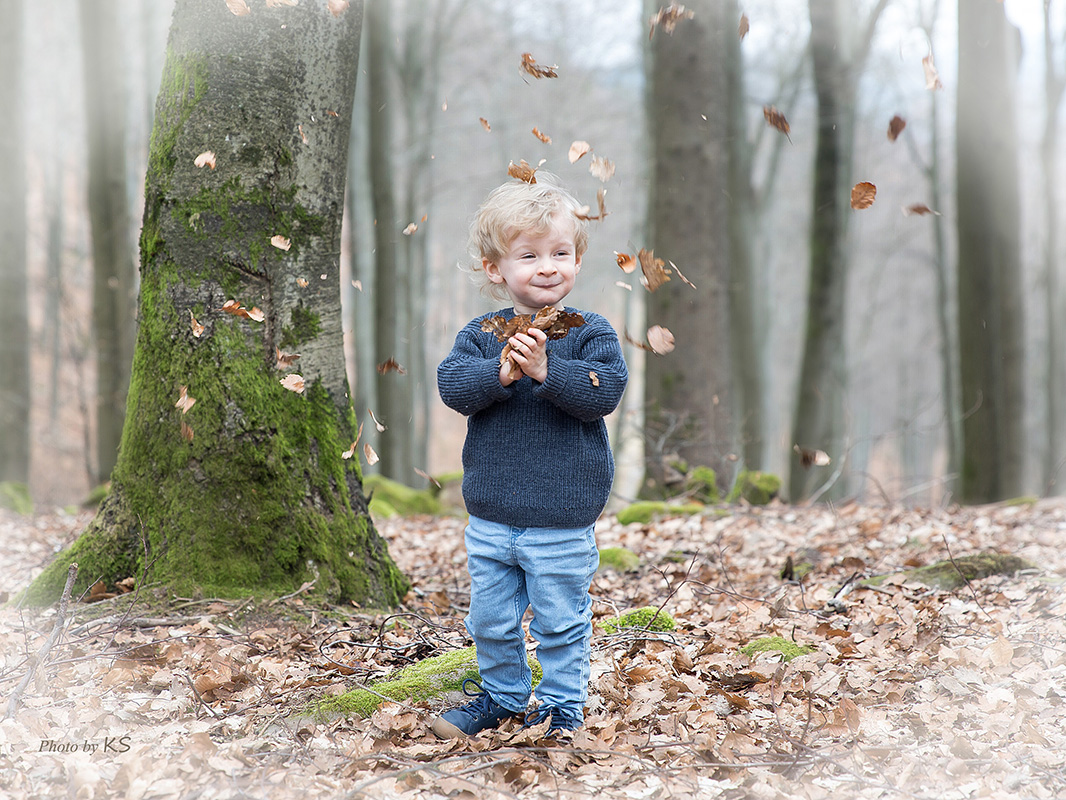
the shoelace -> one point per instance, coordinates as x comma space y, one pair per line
559, 719
483, 701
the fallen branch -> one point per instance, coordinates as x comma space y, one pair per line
46, 648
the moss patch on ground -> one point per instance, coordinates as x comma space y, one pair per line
435, 677
389, 498
644, 511
954, 573
16, 497
776, 644
648, 618
620, 559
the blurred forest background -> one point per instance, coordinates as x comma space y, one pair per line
442, 108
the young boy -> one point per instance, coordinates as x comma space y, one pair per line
537, 463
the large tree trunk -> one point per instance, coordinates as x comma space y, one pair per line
15, 341
257, 496
991, 340
113, 273
689, 391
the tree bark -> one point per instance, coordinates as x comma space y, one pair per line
689, 391
15, 342
109, 215
991, 341
249, 490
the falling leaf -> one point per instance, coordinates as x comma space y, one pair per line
235, 308
302, 283
895, 127
303, 135
594, 378
238, 7
654, 270
777, 120
522, 171
293, 382
358, 285
351, 450
186, 430
583, 212
601, 168
205, 159
862, 195
623, 285
184, 401
684, 280
660, 339
932, 77
578, 148
280, 242
811, 458
197, 328
281, 3
427, 476
338, 7
668, 18
390, 365
744, 27
411, 228
285, 360
256, 314
920, 209
541, 135
371, 456
380, 426
626, 262
485, 123
529, 65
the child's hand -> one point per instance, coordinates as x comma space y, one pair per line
529, 351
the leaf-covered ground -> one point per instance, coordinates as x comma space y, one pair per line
910, 692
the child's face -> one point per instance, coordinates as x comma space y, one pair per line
538, 269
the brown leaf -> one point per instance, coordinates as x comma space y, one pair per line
338, 7
660, 339
862, 195
293, 382
744, 27
541, 135
777, 120
239, 8
578, 148
601, 168
410, 229
522, 171
555, 324
654, 270
921, 209
594, 378
895, 127
932, 77
811, 458
684, 280
625, 261
236, 309
197, 328
529, 65
380, 426
184, 401
668, 18
371, 456
205, 159
583, 212
390, 365
485, 123
186, 430
284, 360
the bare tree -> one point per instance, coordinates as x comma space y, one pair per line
236, 472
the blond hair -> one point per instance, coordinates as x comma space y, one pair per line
514, 208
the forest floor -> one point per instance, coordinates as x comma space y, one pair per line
909, 692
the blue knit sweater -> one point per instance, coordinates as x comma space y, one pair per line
536, 454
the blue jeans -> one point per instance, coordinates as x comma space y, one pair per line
551, 569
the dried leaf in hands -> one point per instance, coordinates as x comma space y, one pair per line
626, 262
777, 120
184, 401
205, 159
578, 148
862, 195
485, 123
293, 382
811, 458
338, 7
920, 209
371, 456
280, 242
668, 18
529, 65
660, 339
744, 27
555, 324
601, 168
197, 328
285, 360
932, 77
541, 135
654, 270
239, 8
522, 171
390, 365
411, 228
895, 127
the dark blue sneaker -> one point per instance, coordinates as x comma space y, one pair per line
469, 720
561, 724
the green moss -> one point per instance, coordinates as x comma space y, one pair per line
430, 678
183, 86
96, 495
619, 559
16, 497
757, 488
953, 574
701, 484
776, 644
648, 618
304, 325
1025, 500
392, 496
645, 510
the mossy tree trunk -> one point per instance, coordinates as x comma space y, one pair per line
689, 391
258, 498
